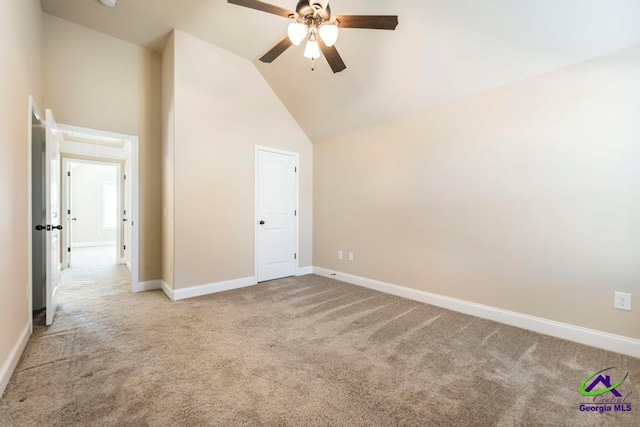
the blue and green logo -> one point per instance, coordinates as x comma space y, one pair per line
605, 381
598, 386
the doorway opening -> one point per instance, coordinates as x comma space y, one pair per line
104, 188
94, 206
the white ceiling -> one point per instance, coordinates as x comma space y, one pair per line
442, 50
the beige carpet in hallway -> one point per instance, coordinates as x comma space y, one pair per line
297, 351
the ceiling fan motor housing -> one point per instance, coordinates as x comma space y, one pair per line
306, 9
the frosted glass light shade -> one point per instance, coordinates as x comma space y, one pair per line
312, 50
297, 32
329, 34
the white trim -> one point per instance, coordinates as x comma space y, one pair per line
14, 357
128, 265
599, 339
212, 288
92, 244
303, 271
296, 156
150, 285
168, 291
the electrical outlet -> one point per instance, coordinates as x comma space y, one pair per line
350, 256
339, 254
622, 301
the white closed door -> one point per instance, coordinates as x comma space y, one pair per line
54, 223
277, 233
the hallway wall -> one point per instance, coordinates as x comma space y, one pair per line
20, 76
87, 204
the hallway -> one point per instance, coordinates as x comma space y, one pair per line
90, 266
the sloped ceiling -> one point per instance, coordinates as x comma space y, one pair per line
442, 50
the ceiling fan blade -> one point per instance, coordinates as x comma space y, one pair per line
277, 50
333, 57
264, 7
374, 22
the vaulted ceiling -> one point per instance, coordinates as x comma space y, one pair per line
442, 50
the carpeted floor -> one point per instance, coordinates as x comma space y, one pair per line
296, 351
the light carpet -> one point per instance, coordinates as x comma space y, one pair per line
295, 351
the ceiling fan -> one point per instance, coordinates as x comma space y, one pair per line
313, 21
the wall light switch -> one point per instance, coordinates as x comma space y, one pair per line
351, 256
339, 254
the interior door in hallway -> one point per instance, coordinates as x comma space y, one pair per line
277, 199
53, 227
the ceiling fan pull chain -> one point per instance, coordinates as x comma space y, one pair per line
312, 67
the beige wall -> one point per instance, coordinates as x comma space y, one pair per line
96, 81
223, 109
87, 203
525, 198
20, 76
168, 130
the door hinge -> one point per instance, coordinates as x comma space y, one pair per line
68, 249
295, 169
68, 173
68, 211
295, 256
125, 247
295, 213
125, 176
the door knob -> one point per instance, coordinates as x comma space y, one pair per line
59, 227
261, 222
41, 227
74, 219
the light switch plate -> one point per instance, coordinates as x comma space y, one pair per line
622, 301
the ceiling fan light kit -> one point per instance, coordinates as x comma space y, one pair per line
297, 32
312, 50
313, 21
329, 34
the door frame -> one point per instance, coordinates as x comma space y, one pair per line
256, 219
134, 214
67, 158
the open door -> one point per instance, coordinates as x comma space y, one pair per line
126, 224
53, 226
67, 213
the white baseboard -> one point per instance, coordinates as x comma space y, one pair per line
303, 271
212, 288
10, 364
92, 244
150, 285
168, 291
128, 265
153, 285
591, 337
